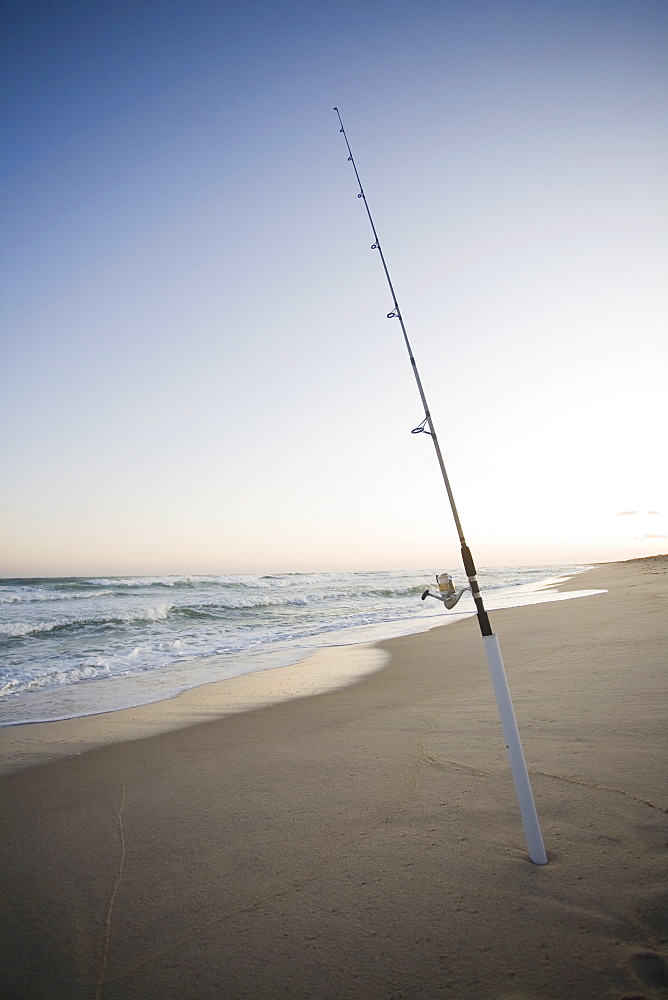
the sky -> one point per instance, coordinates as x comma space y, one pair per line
198, 375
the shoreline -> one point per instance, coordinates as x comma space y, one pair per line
27, 744
365, 842
33, 742
57, 686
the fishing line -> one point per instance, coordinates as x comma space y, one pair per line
107, 926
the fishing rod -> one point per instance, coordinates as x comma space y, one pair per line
490, 639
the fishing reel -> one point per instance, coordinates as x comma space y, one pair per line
447, 592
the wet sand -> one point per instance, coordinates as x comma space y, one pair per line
364, 842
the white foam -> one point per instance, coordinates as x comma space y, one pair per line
128, 646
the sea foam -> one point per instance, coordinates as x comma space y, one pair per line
116, 638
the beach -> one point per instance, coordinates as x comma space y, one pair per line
264, 837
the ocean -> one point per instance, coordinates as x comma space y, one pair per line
75, 646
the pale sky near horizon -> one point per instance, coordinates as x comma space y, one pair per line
197, 371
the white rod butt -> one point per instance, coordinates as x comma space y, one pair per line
515, 755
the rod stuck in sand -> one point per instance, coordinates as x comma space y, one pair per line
490, 639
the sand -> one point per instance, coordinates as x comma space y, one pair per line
364, 842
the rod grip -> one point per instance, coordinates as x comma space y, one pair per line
467, 559
469, 567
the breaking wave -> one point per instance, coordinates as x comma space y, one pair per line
63, 635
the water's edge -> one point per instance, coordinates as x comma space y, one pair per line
118, 693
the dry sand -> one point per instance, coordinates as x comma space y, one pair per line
363, 843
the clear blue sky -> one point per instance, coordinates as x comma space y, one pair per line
197, 371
